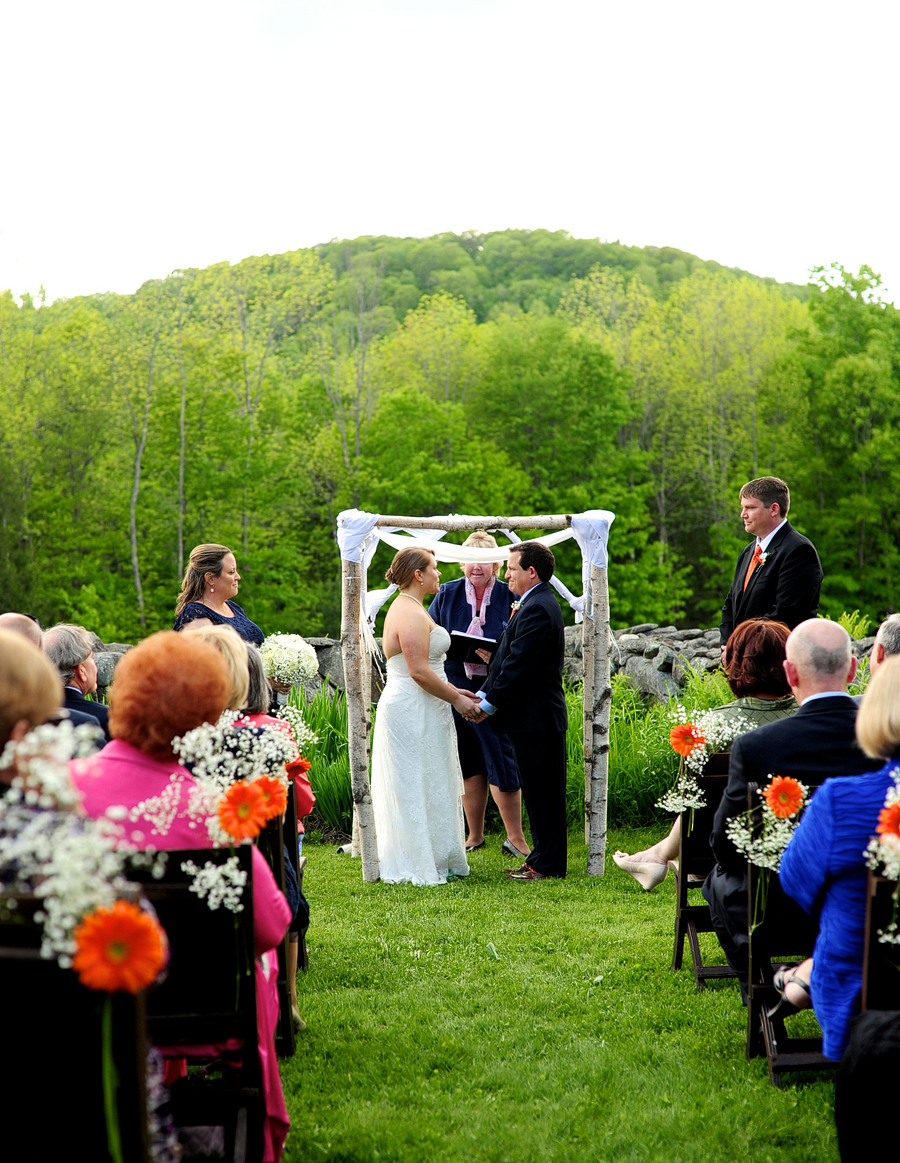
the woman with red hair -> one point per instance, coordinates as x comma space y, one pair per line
754, 667
164, 687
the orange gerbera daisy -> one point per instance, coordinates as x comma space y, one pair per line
889, 820
274, 793
685, 738
242, 811
299, 766
784, 796
119, 948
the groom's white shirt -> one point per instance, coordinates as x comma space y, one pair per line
484, 704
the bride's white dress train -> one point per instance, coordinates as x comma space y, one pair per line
417, 783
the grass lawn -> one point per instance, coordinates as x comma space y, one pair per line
507, 1022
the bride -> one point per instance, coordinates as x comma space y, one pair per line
417, 783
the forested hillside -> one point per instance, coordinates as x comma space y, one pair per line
512, 372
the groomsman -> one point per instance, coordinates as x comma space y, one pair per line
779, 575
523, 696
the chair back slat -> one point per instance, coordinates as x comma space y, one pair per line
881, 960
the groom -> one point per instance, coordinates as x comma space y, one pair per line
524, 697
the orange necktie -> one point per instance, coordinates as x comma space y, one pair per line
755, 560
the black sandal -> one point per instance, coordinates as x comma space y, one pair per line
785, 1007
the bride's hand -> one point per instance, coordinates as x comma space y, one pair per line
467, 704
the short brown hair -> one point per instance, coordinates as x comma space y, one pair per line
534, 553
878, 721
769, 490
402, 572
204, 559
754, 658
30, 687
166, 685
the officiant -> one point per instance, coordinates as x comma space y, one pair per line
479, 604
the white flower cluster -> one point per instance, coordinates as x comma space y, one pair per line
288, 658
684, 796
883, 856
719, 732
41, 763
764, 845
218, 884
305, 736
224, 753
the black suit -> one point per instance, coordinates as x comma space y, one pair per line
75, 701
820, 737
524, 684
784, 588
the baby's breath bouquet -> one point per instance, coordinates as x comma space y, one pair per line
289, 658
695, 740
883, 853
763, 838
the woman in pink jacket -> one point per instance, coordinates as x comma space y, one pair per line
166, 686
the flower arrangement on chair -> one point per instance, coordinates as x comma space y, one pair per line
883, 854
694, 741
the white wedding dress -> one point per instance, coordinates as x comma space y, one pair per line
417, 783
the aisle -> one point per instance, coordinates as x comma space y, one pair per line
486, 1020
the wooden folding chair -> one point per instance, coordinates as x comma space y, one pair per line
271, 842
51, 1021
881, 960
696, 859
776, 927
209, 999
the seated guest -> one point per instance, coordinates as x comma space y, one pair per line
255, 713
886, 644
824, 867
234, 651
30, 691
754, 667
69, 649
23, 624
165, 686
819, 738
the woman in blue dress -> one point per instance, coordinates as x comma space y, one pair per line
479, 603
208, 591
824, 866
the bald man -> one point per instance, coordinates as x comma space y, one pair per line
23, 624
820, 737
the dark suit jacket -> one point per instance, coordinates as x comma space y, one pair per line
820, 737
785, 587
524, 680
75, 701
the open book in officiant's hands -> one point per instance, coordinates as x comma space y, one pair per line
465, 647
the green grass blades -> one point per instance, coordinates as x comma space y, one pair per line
499, 1021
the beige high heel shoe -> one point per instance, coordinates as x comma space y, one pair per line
647, 875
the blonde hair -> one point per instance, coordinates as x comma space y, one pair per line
482, 540
30, 687
878, 721
233, 649
403, 568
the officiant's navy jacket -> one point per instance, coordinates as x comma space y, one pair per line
451, 610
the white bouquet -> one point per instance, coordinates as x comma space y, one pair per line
288, 658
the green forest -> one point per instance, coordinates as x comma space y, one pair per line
511, 372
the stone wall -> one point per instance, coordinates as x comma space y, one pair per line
654, 657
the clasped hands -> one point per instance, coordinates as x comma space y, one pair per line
468, 705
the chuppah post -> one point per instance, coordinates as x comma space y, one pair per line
364, 817
588, 645
601, 702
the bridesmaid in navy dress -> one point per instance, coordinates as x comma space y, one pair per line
479, 603
208, 591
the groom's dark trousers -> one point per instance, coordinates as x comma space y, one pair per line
524, 684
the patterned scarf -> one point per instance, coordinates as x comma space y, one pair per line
476, 626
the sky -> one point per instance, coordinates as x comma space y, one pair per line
139, 139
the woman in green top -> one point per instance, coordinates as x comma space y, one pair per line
754, 667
